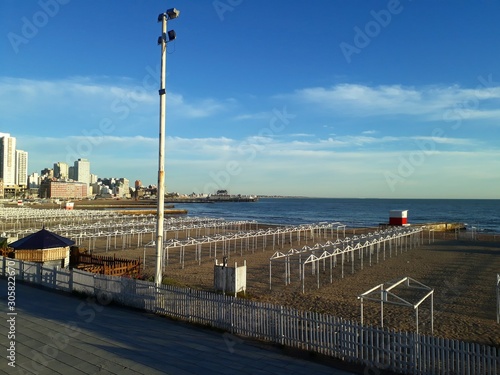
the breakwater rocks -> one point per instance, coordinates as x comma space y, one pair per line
444, 226
440, 227
151, 212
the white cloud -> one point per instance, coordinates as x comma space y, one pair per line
431, 102
448, 140
299, 158
301, 135
323, 167
202, 108
97, 98
253, 116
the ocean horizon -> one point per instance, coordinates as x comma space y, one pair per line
483, 214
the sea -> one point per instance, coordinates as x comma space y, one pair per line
484, 215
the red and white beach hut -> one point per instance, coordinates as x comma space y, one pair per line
398, 217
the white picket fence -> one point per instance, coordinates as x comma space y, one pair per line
374, 347
498, 298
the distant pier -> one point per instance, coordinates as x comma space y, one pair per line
213, 199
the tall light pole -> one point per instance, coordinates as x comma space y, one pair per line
162, 40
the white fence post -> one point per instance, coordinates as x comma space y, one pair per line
498, 298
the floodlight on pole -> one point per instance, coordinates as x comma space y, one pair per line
173, 13
162, 40
171, 35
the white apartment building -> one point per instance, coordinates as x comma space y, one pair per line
7, 159
21, 168
82, 171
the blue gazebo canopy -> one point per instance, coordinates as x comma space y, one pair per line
43, 239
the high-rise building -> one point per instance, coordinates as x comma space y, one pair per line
82, 171
61, 170
7, 159
21, 168
34, 180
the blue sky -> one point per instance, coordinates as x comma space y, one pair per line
394, 99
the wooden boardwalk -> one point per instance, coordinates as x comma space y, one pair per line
57, 333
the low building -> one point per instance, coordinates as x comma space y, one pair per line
63, 189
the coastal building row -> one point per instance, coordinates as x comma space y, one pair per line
65, 189
63, 181
79, 171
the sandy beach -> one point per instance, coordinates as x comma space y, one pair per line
461, 272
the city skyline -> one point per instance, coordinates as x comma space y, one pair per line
78, 172
394, 99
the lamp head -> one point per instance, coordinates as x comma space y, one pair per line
171, 35
173, 13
